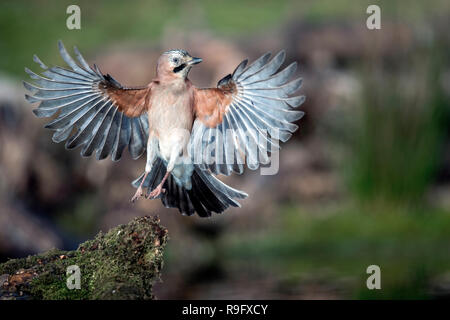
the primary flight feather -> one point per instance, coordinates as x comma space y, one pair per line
190, 134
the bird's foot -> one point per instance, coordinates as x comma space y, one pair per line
156, 192
139, 193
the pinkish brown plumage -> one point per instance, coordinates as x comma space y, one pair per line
175, 122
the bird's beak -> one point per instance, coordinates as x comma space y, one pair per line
195, 61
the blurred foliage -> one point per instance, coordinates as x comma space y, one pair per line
32, 27
28, 27
398, 139
80, 219
410, 244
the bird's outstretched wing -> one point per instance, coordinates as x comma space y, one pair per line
90, 109
238, 121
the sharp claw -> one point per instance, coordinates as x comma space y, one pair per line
137, 195
156, 192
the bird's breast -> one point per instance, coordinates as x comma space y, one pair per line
171, 109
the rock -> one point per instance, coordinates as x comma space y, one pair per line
121, 264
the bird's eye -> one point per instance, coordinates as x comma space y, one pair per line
175, 60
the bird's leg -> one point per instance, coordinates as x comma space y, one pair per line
174, 156
139, 192
151, 156
159, 189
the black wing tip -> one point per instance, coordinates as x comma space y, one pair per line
266, 56
240, 68
30, 99
112, 81
70, 145
98, 71
100, 155
115, 158
60, 45
224, 81
27, 86
39, 62
38, 113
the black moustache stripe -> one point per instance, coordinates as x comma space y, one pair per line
179, 68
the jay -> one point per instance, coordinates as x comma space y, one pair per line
190, 134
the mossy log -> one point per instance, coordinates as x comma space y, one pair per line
121, 264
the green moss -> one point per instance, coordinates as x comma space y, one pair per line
121, 264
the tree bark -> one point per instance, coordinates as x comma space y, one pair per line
121, 264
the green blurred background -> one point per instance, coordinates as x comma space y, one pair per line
366, 179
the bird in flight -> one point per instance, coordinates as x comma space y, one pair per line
190, 134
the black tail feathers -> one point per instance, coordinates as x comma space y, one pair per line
208, 194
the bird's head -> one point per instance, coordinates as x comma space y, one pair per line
176, 64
